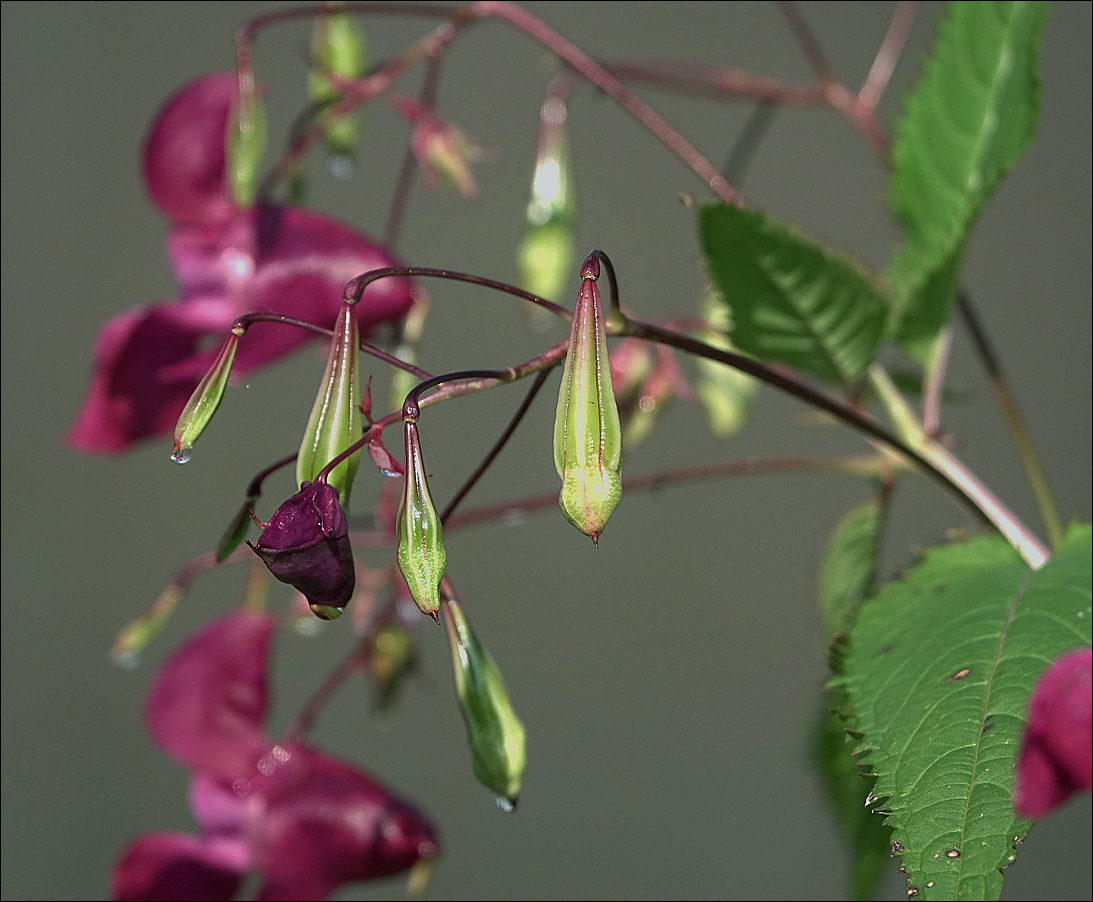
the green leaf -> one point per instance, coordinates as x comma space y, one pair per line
965, 124
868, 837
792, 300
848, 566
725, 392
938, 676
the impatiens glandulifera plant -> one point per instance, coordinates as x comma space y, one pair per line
985, 641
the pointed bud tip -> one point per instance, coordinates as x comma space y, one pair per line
590, 269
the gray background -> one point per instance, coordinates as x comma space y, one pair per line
669, 682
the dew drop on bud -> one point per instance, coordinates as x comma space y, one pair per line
505, 804
181, 456
341, 165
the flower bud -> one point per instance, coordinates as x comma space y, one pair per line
335, 421
246, 142
391, 660
495, 734
205, 400
306, 544
546, 250
337, 49
421, 556
587, 433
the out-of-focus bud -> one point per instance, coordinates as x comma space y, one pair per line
421, 555
236, 530
205, 400
495, 734
306, 544
587, 433
246, 142
133, 639
335, 421
338, 49
442, 151
724, 392
391, 660
545, 254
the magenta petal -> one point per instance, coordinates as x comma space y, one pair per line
1056, 758
184, 166
329, 824
303, 262
172, 866
207, 703
132, 394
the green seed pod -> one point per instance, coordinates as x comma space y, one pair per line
496, 736
246, 143
205, 400
335, 421
546, 250
338, 48
421, 556
587, 433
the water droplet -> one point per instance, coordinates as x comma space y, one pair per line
514, 517
127, 660
181, 456
929, 884
505, 804
952, 853
341, 165
390, 474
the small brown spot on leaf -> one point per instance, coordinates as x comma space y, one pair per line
897, 847
960, 674
886, 649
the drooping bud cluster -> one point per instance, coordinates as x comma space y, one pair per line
587, 432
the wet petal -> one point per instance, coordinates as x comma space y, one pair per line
208, 702
184, 167
132, 394
169, 866
1056, 759
328, 823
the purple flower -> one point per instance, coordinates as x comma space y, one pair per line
228, 262
1056, 759
304, 822
306, 544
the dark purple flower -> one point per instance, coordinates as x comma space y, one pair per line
1056, 759
228, 262
306, 544
306, 823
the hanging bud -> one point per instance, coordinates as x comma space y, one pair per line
133, 639
335, 419
545, 254
337, 49
205, 400
587, 434
421, 556
246, 142
495, 734
306, 544
391, 660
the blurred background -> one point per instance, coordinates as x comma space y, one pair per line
670, 681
